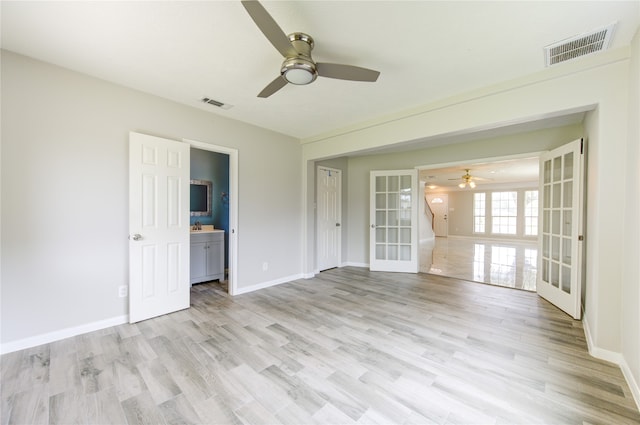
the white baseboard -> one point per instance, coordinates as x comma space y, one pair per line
597, 352
634, 386
46, 338
613, 357
268, 284
353, 264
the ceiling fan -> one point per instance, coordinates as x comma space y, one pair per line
468, 179
298, 66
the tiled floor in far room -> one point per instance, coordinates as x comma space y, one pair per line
505, 263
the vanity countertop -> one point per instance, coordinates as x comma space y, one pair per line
206, 228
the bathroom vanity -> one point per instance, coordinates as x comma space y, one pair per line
207, 255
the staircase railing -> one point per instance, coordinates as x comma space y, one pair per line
430, 211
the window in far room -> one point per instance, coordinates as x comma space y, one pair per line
531, 213
479, 211
504, 212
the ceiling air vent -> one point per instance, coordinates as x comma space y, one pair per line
579, 45
216, 103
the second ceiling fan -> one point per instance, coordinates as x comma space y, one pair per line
468, 179
298, 66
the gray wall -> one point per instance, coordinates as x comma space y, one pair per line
65, 195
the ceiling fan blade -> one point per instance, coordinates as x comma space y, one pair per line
269, 28
273, 87
346, 72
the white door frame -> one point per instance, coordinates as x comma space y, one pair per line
233, 207
338, 223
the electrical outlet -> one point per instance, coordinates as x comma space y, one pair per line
265, 266
123, 291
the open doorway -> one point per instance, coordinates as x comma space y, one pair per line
491, 221
213, 235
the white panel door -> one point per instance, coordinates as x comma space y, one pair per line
158, 226
561, 240
329, 207
393, 241
440, 206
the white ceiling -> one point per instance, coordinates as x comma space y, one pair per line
185, 50
487, 175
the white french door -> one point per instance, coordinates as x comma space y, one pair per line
561, 241
158, 226
393, 239
329, 190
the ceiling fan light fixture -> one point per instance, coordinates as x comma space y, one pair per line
462, 185
299, 71
472, 185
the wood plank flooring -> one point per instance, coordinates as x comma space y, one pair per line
348, 346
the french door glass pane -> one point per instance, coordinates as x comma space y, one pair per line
393, 184
405, 252
567, 194
566, 223
557, 169
566, 279
547, 171
393, 203
380, 252
568, 166
557, 214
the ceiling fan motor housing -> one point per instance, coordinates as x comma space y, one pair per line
300, 69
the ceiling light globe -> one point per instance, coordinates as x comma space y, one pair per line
472, 185
299, 71
461, 185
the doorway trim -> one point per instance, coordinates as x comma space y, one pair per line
233, 207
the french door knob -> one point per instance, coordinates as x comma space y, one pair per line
136, 237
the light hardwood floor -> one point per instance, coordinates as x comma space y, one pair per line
349, 346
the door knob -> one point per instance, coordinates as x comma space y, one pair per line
136, 237
337, 224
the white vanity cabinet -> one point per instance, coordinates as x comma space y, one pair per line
207, 255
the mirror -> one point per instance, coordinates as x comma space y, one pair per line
200, 195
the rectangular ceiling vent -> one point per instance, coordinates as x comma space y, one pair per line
216, 103
580, 45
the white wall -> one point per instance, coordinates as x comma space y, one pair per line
64, 248
630, 334
600, 81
